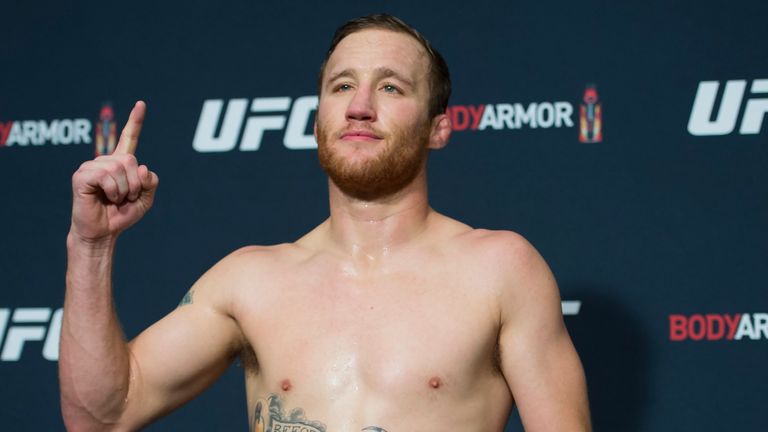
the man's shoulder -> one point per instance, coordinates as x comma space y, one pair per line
262, 258
249, 263
505, 259
498, 246
263, 252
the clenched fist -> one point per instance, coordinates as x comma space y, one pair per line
111, 193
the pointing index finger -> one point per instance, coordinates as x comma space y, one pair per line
129, 138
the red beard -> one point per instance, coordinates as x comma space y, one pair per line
385, 175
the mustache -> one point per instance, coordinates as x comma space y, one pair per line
357, 128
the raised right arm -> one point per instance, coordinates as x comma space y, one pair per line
108, 384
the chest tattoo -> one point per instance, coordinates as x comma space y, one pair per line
276, 419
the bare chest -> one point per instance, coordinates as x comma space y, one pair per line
397, 335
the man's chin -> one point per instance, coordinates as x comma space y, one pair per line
357, 160
371, 181
367, 193
355, 152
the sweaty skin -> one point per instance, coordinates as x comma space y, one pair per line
407, 340
388, 316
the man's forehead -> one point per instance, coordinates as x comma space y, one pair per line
378, 49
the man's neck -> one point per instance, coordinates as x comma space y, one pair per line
370, 231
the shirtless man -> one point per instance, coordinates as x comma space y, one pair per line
401, 319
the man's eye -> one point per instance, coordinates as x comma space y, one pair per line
389, 88
343, 87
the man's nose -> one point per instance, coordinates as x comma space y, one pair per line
361, 106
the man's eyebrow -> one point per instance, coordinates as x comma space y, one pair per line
380, 72
385, 72
342, 74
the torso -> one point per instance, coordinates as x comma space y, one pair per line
410, 347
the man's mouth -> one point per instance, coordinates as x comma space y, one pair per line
360, 135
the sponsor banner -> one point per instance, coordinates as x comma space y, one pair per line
570, 307
24, 133
718, 327
534, 115
24, 325
511, 116
591, 117
240, 123
106, 135
243, 123
705, 120
41, 132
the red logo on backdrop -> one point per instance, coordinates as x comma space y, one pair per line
503, 116
105, 131
715, 327
5, 129
33, 133
591, 117
533, 115
465, 117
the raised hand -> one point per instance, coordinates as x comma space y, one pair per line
111, 193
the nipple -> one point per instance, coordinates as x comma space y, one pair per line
285, 385
435, 382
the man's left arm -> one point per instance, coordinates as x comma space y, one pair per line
538, 359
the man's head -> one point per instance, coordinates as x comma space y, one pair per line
383, 95
439, 76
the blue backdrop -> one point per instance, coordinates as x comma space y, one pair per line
657, 230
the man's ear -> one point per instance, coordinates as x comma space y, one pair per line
441, 132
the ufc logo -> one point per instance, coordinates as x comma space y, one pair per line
264, 115
701, 122
570, 307
28, 325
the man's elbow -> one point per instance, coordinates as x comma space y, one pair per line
79, 417
78, 420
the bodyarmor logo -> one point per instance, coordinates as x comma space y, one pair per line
62, 131
105, 131
510, 116
713, 327
534, 115
591, 117
702, 123
29, 324
266, 114
40, 132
